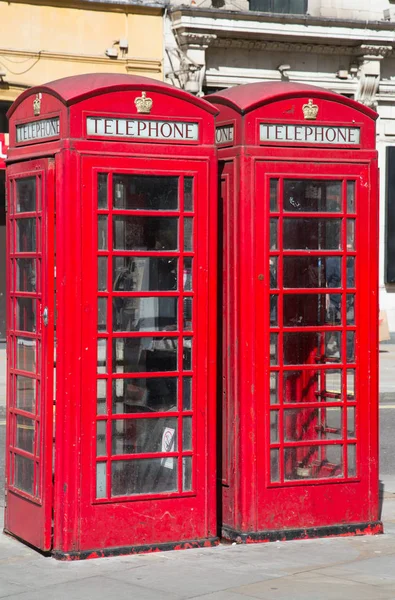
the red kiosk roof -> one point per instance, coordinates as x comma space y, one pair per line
245, 98
71, 90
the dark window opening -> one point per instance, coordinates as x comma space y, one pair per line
294, 7
4, 106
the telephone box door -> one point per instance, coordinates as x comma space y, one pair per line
30, 276
314, 333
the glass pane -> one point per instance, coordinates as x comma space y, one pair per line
312, 234
26, 235
187, 304
273, 310
351, 459
101, 355
101, 396
187, 275
102, 229
153, 394
149, 354
351, 196
23, 474
26, 274
274, 465
102, 265
143, 476
274, 195
273, 348
273, 234
301, 386
350, 309
350, 384
187, 393
101, 477
25, 393
350, 346
351, 422
187, 433
332, 428
145, 233
311, 271
350, 271
187, 354
274, 420
333, 347
187, 473
312, 196
188, 194
26, 354
313, 462
350, 234
101, 438
273, 271
102, 193
331, 385
26, 314
144, 273
302, 424
26, 195
145, 314
25, 434
307, 347
188, 234
102, 314
145, 192
274, 388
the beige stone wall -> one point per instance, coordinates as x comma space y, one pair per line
43, 41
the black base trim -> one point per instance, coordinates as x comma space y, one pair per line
282, 535
125, 550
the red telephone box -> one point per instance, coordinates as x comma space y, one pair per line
120, 304
299, 205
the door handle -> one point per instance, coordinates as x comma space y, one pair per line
45, 316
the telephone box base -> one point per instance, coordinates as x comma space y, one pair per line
283, 535
143, 549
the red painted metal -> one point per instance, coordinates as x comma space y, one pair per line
300, 442
103, 503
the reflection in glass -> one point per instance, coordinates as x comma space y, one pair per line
26, 274
313, 462
274, 465
26, 195
302, 424
25, 433
274, 388
26, 235
312, 234
350, 384
274, 348
333, 424
350, 271
101, 478
102, 232
307, 347
26, 354
274, 195
350, 346
26, 314
102, 314
131, 313
187, 393
273, 310
351, 196
23, 474
101, 396
144, 273
143, 476
351, 422
187, 433
25, 393
145, 233
331, 385
350, 234
102, 265
101, 449
188, 194
188, 234
145, 192
351, 460
306, 195
186, 473
273, 234
300, 386
187, 354
138, 395
101, 355
301, 310
102, 193
144, 354
187, 306
350, 309
274, 421
187, 276
311, 271
273, 271
137, 436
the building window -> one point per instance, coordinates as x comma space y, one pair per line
294, 7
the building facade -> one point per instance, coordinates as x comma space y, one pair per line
347, 46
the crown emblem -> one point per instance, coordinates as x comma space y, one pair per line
143, 104
37, 105
310, 110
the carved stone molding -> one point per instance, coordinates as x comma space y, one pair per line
203, 40
373, 51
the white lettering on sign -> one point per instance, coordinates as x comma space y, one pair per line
38, 130
311, 134
224, 134
136, 128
